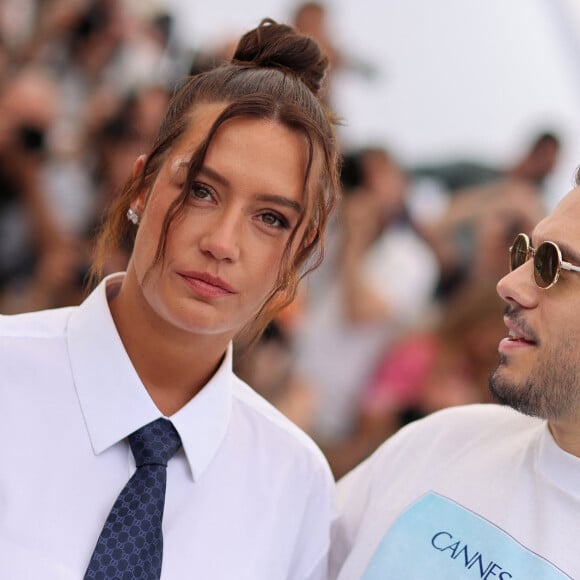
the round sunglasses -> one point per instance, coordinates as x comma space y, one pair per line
548, 261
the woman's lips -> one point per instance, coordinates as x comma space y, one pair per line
207, 285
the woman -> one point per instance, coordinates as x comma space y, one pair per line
227, 212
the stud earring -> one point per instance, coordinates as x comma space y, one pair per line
132, 216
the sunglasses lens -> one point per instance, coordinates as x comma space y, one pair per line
519, 252
546, 264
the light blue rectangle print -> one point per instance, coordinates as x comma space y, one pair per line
437, 538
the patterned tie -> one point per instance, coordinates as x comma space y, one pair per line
130, 546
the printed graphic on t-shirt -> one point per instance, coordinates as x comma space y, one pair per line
437, 538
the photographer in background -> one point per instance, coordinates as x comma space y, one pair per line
27, 109
38, 264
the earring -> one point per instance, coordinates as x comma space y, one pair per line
132, 216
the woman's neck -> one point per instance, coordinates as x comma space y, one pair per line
173, 364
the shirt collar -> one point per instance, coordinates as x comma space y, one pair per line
114, 401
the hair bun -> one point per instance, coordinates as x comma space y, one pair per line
280, 46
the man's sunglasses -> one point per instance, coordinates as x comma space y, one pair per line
548, 261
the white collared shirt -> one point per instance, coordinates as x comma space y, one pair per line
249, 496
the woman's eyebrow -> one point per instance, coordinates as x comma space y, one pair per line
212, 174
205, 171
280, 200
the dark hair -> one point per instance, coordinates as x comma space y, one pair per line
276, 73
545, 137
353, 170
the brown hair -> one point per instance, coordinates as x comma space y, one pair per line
276, 73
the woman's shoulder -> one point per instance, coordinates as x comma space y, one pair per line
269, 422
49, 323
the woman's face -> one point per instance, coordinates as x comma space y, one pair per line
224, 249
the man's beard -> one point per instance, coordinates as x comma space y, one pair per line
550, 390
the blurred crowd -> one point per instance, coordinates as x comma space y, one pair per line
83, 87
402, 317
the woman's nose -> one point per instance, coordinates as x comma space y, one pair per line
221, 239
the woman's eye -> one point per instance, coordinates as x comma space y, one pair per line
274, 220
200, 191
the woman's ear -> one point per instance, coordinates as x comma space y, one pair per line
139, 165
138, 204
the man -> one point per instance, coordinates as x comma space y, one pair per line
488, 491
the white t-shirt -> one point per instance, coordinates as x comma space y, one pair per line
467, 493
249, 496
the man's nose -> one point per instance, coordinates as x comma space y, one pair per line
518, 286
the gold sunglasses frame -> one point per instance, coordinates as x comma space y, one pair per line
531, 252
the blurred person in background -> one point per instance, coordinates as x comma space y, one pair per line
470, 236
535, 164
28, 224
313, 19
441, 363
59, 278
84, 88
377, 280
108, 56
269, 366
121, 136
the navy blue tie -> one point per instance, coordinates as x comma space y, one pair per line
130, 546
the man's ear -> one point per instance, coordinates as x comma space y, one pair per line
138, 204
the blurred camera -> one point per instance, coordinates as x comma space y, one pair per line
31, 138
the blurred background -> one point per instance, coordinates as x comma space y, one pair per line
460, 128
437, 80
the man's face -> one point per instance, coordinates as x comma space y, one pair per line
539, 369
